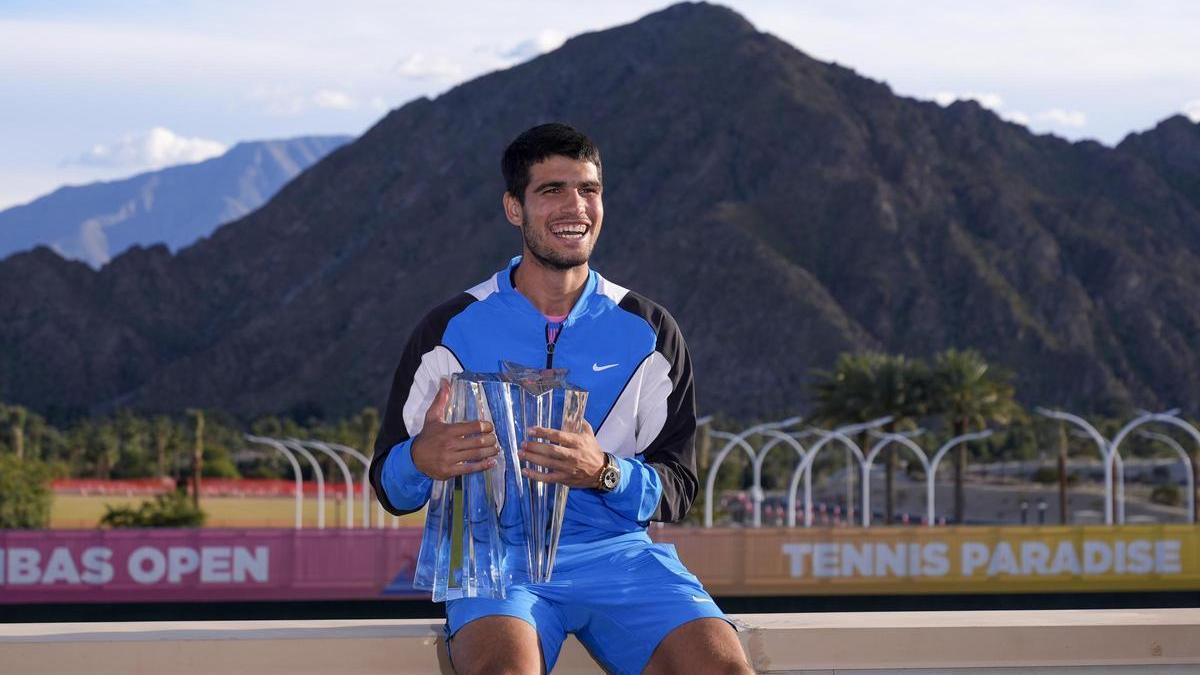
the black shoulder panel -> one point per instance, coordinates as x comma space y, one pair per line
672, 453
425, 337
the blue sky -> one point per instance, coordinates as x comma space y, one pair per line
101, 90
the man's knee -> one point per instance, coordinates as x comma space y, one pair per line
496, 644
700, 646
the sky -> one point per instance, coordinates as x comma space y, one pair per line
101, 90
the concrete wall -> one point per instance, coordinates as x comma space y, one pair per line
1024, 642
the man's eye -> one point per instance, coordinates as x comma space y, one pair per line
552, 190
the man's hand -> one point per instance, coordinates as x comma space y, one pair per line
445, 450
573, 459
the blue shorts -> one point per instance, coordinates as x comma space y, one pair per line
619, 596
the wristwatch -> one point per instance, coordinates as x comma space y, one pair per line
610, 475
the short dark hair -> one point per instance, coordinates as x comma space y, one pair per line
539, 143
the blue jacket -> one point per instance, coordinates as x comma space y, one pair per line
625, 350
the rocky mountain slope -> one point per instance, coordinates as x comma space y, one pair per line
174, 206
784, 209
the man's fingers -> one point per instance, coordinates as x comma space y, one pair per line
555, 436
463, 468
545, 476
470, 428
441, 401
545, 450
454, 443
471, 454
544, 460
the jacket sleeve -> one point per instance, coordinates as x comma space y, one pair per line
400, 487
660, 482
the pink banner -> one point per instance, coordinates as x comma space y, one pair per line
209, 487
39, 566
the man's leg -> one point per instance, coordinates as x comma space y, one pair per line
700, 646
496, 644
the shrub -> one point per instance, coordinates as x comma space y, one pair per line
24, 493
1166, 494
173, 509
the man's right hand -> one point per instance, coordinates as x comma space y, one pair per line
444, 450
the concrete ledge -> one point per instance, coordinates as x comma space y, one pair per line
1115, 641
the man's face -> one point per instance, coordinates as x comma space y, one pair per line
562, 214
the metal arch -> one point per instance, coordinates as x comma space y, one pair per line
341, 463
1187, 467
804, 470
777, 437
738, 439
885, 440
320, 481
1105, 453
931, 469
733, 440
805, 466
1145, 418
366, 484
295, 472
1114, 459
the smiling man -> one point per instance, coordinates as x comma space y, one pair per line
630, 601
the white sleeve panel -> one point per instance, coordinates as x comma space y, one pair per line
618, 433
437, 363
652, 408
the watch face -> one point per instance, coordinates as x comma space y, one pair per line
610, 479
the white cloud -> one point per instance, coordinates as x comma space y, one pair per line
152, 149
988, 100
283, 101
1192, 110
1063, 118
420, 66
337, 100
545, 41
1016, 117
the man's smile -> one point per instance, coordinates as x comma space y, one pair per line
570, 230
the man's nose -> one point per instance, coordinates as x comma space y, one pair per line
579, 202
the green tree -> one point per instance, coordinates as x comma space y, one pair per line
24, 493
867, 386
968, 393
103, 447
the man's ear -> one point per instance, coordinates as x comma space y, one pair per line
513, 209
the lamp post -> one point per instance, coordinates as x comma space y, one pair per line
320, 475
931, 470
1101, 444
1187, 467
341, 463
299, 489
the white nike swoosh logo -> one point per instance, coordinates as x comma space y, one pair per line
596, 367
700, 599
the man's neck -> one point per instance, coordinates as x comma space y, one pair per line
552, 291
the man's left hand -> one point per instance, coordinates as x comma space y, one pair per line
573, 459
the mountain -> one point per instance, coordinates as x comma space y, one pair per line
175, 206
784, 210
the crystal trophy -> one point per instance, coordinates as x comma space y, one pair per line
489, 529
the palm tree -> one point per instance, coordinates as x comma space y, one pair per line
967, 391
162, 429
14, 416
867, 386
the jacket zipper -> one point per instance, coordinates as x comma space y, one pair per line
550, 343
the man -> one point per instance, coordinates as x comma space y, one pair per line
631, 602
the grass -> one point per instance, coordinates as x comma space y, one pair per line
79, 512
